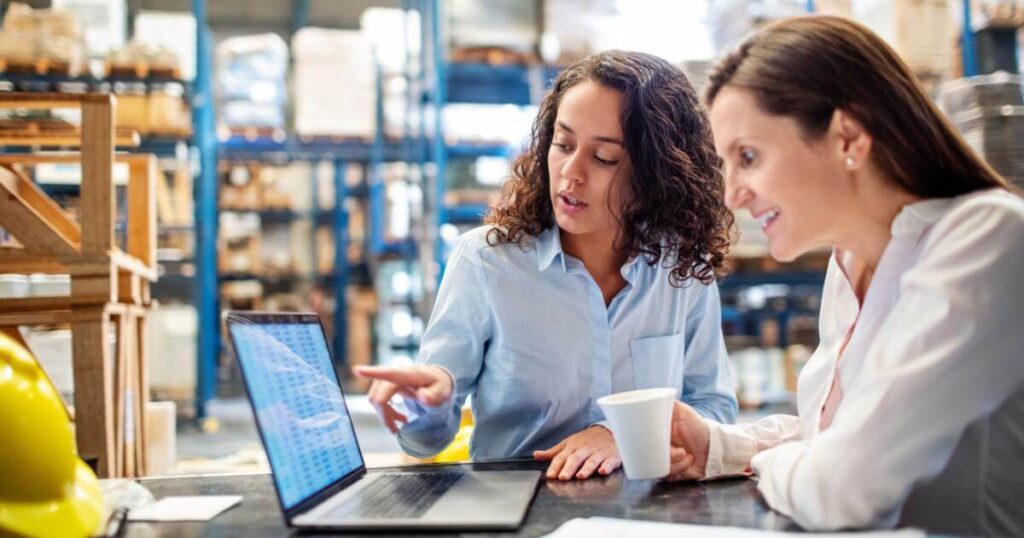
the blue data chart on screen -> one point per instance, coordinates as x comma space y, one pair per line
306, 427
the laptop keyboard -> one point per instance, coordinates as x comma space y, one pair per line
397, 496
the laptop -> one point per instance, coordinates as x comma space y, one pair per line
317, 466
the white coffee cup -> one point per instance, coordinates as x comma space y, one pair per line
641, 421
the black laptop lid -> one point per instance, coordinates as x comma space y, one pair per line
297, 400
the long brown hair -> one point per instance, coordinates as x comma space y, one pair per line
674, 211
807, 67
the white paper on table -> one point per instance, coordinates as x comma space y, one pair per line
606, 527
196, 508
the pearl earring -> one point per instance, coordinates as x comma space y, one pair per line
849, 162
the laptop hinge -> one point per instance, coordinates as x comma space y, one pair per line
316, 499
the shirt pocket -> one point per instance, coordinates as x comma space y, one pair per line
658, 361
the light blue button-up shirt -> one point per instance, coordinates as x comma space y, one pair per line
527, 333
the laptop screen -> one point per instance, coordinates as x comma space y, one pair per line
306, 427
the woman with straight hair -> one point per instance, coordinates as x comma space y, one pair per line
911, 410
594, 274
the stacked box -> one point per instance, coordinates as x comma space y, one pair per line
362, 306
104, 23
731, 21
172, 31
504, 24
250, 81
921, 31
1003, 14
42, 34
335, 83
839, 8
989, 111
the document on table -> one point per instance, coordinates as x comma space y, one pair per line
606, 527
200, 508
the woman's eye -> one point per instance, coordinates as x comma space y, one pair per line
747, 157
606, 162
564, 148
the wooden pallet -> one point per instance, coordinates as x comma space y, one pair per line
254, 133
492, 56
109, 286
334, 139
144, 70
39, 66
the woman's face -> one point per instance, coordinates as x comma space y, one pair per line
792, 187
586, 159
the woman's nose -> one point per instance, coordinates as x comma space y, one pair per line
573, 169
737, 195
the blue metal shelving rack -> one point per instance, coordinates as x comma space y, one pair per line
475, 84
340, 153
206, 290
967, 42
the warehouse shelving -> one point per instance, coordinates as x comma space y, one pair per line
450, 83
471, 83
278, 149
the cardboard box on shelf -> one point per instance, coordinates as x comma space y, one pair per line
921, 31
840, 8
239, 243
133, 111
238, 189
324, 250
43, 41
168, 114
331, 67
240, 256
494, 24
242, 295
251, 81
362, 306
471, 196
1004, 14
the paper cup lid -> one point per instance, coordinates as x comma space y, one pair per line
634, 396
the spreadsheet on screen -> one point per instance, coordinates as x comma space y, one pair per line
306, 427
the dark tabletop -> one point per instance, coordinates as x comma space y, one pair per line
734, 503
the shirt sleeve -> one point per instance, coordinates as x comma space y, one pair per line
455, 339
950, 353
732, 446
708, 384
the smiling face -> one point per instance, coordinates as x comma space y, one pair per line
586, 160
795, 188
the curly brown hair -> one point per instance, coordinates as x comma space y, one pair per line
674, 209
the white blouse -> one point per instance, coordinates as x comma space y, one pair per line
930, 429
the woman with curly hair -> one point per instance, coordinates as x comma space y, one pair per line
594, 274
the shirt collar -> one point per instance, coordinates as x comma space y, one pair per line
910, 223
915, 218
549, 247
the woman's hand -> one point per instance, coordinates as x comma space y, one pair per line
582, 453
690, 441
429, 385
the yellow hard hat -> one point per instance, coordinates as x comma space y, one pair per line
46, 490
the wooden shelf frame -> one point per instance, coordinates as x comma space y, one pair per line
109, 286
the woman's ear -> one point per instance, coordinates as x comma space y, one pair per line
853, 142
